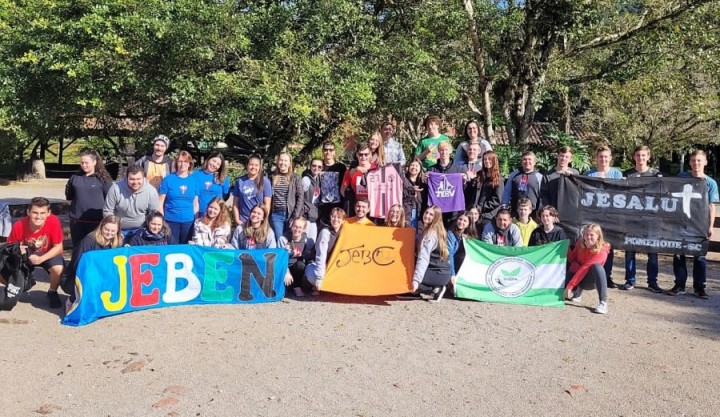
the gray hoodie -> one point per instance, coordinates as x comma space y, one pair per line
131, 207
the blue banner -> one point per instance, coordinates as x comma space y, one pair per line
122, 280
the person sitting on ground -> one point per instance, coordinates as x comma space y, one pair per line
257, 233
434, 265
502, 232
524, 223
40, 235
548, 231
395, 216
362, 208
462, 228
213, 228
155, 232
107, 235
586, 270
315, 271
301, 249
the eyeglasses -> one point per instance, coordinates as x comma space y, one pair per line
328, 150
364, 154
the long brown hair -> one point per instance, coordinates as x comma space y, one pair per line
470, 230
222, 218
438, 229
222, 170
260, 233
100, 170
494, 174
260, 180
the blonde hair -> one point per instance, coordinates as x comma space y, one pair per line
380, 149
399, 223
438, 229
117, 239
287, 176
260, 233
594, 227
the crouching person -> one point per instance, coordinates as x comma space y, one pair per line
586, 261
315, 271
301, 250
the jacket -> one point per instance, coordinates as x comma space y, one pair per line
204, 236
18, 272
311, 196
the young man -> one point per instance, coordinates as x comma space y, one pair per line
362, 207
131, 199
330, 181
698, 161
427, 151
445, 165
641, 156
524, 223
551, 179
40, 234
157, 165
393, 149
311, 188
525, 182
502, 232
603, 159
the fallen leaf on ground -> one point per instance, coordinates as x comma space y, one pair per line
176, 389
166, 402
134, 366
47, 409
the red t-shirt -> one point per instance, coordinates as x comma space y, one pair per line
353, 179
41, 240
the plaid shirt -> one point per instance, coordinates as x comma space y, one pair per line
394, 152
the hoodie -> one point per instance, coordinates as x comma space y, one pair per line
131, 206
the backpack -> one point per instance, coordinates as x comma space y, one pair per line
18, 271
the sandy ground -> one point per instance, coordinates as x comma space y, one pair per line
652, 354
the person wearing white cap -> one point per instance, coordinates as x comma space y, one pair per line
157, 165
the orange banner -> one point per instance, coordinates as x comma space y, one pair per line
371, 261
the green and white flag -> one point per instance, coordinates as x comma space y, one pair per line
503, 274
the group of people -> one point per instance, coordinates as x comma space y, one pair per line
163, 200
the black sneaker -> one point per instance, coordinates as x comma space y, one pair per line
54, 299
611, 284
438, 295
702, 294
410, 296
655, 288
676, 290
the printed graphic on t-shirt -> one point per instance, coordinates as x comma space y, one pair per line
156, 173
249, 190
329, 189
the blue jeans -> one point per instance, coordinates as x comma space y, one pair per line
631, 267
278, 223
699, 271
181, 232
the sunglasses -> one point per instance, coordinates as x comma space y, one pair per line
328, 150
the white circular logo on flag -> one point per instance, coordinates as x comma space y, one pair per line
510, 277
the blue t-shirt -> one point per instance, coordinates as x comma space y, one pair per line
179, 195
712, 187
246, 191
209, 189
613, 174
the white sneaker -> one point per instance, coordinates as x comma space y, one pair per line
577, 296
602, 308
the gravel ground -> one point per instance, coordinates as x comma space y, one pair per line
652, 354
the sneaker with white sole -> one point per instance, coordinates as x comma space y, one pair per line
438, 294
577, 296
602, 308
676, 290
627, 287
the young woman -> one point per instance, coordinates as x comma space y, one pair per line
288, 198
106, 236
213, 228
354, 178
212, 181
434, 266
86, 190
475, 218
315, 271
257, 233
463, 227
491, 187
250, 190
548, 231
155, 232
395, 216
472, 135
586, 261
301, 248
413, 190
377, 149
178, 202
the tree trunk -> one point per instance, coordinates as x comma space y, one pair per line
38, 169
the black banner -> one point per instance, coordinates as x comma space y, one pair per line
647, 214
